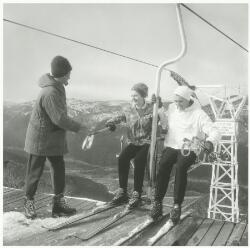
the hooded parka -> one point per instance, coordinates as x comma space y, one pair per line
46, 133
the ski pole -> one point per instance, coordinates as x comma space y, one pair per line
88, 141
99, 131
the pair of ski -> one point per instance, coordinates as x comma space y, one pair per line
73, 219
169, 224
165, 229
106, 224
139, 229
149, 222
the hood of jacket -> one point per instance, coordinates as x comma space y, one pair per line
47, 80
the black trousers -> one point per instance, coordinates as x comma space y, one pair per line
34, 171
170, 157
139, 154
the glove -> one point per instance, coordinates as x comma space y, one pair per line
111, 126
119, 119
209, 147
153, 100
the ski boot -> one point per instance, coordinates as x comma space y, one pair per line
60, 207
135, 200
29, 208
120, 198
175, 214
156, 211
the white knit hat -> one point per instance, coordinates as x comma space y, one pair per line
183, 91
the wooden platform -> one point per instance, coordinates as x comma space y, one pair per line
193, 230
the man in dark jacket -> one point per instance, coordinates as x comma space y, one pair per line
46, 137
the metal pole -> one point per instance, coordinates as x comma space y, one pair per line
157, 89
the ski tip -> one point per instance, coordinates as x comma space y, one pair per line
45, 227
49, 228
150, 242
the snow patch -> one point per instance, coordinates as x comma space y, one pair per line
16, 226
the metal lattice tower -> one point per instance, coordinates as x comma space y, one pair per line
224, 188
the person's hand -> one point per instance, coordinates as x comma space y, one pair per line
153, 100
111, 126
209, 147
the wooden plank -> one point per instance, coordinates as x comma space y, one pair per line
244, 238
15, 199
180, 230
189, 232
200, 233
12, 195
70, 241
6, 190
224, 234
20, 200
236, 234
212, 233
169, 201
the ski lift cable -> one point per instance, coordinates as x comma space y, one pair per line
115, 53
79, 42
211, 25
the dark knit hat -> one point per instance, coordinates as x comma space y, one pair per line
60, 66
141, 88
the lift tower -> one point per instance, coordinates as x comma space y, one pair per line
224, 188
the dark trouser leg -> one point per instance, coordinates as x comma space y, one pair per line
34, 171
140, 162
126, 155
57, 173
166, 163
182, 165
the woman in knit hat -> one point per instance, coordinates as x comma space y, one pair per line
186, 119
138, 123
46, 137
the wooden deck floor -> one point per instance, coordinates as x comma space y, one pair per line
193, 230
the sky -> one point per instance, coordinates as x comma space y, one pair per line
147, 32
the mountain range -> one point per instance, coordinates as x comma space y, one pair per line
106, 145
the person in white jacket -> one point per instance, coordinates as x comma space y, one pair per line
185, 119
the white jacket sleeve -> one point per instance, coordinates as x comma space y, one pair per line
208, 127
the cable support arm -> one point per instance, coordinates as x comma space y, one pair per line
157, 88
